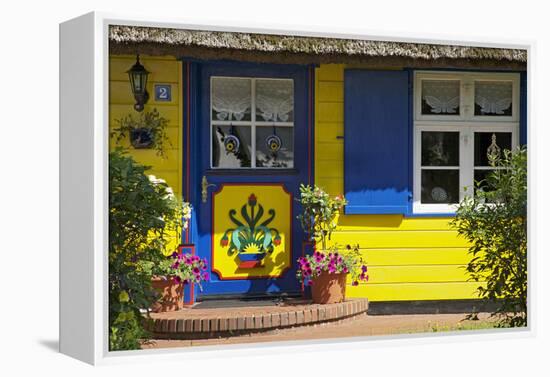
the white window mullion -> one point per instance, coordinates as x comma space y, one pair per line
466, 161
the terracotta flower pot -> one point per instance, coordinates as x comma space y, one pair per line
329, 288
171, 295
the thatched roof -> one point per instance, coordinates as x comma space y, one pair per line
301, 49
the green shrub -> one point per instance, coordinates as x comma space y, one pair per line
494, 220
142, 212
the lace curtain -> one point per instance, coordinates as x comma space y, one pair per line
442, 96
493, 97
231, 98
274, 100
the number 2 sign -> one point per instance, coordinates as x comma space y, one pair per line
163, 92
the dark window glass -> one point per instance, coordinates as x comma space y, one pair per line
440, 148
484, 143
439, 186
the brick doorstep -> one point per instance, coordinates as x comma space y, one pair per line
207, 323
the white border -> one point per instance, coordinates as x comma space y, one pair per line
100, 210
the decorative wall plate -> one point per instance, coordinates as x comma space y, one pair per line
273, 143
231, 144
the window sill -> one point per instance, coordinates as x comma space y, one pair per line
434, 214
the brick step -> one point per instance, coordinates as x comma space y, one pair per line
206, 323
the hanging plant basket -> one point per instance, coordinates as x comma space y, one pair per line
142, 138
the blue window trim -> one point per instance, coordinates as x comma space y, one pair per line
522, 124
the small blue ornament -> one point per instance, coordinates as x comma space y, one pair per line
231, 144
273, 143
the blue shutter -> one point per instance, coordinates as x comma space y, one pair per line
376, 142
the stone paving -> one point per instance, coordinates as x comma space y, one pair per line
358, 326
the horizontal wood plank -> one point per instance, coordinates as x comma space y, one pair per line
412, 257
400, 239
414, 291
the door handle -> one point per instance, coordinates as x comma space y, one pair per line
204, 188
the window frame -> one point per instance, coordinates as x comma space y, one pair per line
467, 124
252, 123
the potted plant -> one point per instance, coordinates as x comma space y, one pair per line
148, 130
180, 269
327, 268
172, 272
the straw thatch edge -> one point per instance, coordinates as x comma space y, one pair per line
305, 50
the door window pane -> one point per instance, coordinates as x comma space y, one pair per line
231, 146
231, 99
440, 148
274, 100
439, 186
440, 97
490, 142
493, 98
275, 147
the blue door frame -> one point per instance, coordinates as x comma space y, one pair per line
196, 164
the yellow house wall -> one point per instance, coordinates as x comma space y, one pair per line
164, 70
408, 258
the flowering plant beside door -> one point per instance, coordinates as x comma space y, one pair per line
327, 268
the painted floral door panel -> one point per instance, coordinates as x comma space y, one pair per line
252, 240
254, 129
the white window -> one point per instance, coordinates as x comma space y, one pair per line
458, 118
251, 122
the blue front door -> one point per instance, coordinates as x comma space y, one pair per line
254, 148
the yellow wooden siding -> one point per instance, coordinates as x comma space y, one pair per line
164, 70
408, 258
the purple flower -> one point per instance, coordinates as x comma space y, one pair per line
355, 282
345, 270
174, 254
175, 265
309, 282
196, 270
177, 279
206, 276
364, 268
331, 269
